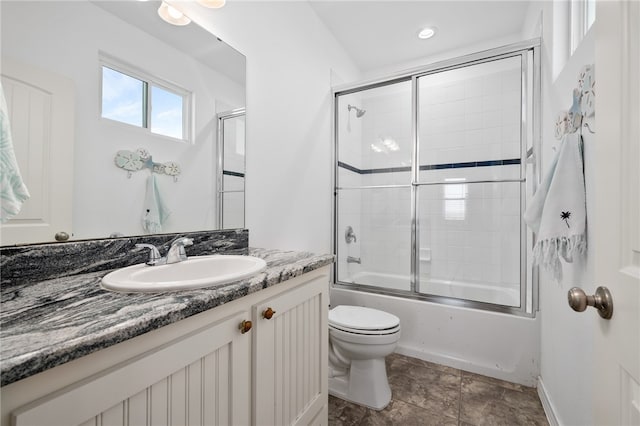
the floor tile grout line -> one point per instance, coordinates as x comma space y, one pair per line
460, 399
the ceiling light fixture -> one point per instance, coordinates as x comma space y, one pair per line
427, 32
172, 15
212, 4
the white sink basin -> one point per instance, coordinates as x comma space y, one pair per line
195, 272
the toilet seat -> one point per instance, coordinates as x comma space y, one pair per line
361, 320
365, 332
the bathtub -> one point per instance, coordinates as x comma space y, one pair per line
494, 344
497, 294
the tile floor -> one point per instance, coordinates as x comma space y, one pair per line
424, 393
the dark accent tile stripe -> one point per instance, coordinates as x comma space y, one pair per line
386, 170
349, 167
512, 161
423, 167
230, 173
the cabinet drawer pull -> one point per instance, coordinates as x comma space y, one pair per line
245, 326
268, 313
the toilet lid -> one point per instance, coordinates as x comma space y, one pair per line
361, 318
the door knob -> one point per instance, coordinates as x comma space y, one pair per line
602, 301
61, 236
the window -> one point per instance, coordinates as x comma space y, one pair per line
132, 97
583, 15
455, 200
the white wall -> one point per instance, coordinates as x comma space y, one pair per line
65, 38
566, 336
470, 48
290, 56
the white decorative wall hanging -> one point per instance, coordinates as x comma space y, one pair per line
582, 108
133, 161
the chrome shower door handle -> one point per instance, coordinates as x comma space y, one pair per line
602, 301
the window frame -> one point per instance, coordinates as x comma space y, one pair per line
149, 80
579, 21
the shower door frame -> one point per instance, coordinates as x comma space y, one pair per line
222, 117
529, 132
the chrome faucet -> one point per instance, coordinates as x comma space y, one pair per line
154, 255
351, 259
175, 254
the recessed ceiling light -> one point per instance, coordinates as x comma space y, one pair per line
427, 32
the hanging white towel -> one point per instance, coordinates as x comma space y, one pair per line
557, 213
155, 212
13, 191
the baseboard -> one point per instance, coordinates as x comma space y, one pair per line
546, 404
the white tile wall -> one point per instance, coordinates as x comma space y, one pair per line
386, 231
466, 118
484, 247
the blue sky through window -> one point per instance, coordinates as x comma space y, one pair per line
122, 97
166, 113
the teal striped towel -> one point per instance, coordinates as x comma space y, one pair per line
13, 191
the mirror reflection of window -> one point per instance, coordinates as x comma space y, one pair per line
123, 98
166, 113
137, 100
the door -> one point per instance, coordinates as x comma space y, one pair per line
290, 356
41, 110
616, 381
201, 379
231, 168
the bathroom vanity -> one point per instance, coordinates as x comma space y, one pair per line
251, 352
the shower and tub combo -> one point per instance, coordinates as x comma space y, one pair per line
430, 186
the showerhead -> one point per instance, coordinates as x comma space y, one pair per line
359, 112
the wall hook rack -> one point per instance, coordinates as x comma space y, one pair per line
140, 159
582, 108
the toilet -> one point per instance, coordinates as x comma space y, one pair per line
359, 340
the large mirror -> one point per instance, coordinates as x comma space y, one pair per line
115, 119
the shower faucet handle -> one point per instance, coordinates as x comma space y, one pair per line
349, 235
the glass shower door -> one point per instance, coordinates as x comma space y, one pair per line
373, 187
470, 182
231, 169
433, 170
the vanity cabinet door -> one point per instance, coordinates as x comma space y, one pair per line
290, 356
201, 378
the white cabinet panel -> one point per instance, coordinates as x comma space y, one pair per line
194, 372
290, 356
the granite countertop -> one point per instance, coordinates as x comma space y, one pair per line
45, 324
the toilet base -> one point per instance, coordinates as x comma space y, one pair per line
366, 384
